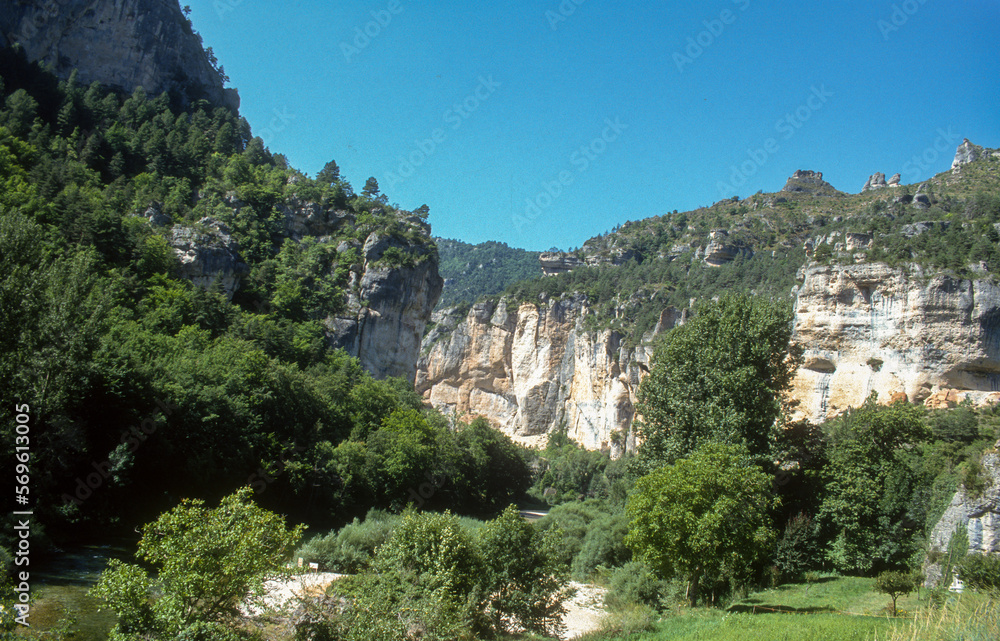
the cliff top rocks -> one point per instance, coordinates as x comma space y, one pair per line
968, 152
810, 182
554, 263
123, 44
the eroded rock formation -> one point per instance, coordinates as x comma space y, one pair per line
208, 255
977, 512
896, 331
532, 369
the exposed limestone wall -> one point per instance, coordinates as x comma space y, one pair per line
869, 327
532, 369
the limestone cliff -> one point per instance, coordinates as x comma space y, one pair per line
897, 331
978, 513
387, 303
388, 309
534, 368
119, 43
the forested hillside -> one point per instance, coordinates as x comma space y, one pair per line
171, 296
472, 271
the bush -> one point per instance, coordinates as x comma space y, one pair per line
981, 572
434, 580
573, 521
523, 578
632, 584
604, 545
799, 548
350, 549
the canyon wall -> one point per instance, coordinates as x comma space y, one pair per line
534, 368
901, 332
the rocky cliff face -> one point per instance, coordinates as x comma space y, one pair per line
534, 368
978, 513
388, 304
388, 309
118, 43
899, 332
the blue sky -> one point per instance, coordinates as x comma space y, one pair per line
542, 123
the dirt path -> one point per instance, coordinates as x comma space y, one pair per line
584, 611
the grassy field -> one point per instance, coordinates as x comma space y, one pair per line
841, 608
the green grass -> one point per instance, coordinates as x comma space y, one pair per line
819, 612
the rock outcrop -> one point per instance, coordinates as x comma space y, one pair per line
207, 253
810, 182
119, 43
875, 181
533, 368
720, 251
977, 512
869, 327
965, 154
554, 263
386, 317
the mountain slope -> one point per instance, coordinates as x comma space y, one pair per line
471, 271
894, 291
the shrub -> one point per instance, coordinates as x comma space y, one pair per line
523, 578
573, 521
604, 545
981, 572
634, 583
350, 549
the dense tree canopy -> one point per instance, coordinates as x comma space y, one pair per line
706, 518
718, 378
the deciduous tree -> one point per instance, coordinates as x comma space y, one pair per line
705, 519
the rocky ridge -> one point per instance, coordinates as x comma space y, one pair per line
904, 331
123, 44
386, 304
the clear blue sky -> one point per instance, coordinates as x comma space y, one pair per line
600, 112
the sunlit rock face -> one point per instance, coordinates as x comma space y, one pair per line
900, 332
532, 369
